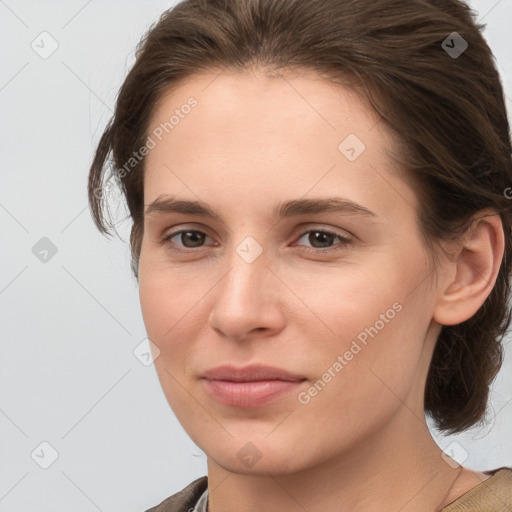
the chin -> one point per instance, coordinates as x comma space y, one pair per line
264, 467
250, 455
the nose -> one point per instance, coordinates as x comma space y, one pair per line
248, 300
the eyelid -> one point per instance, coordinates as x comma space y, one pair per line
327, 229
179, 228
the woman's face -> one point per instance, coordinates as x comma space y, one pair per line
280, 268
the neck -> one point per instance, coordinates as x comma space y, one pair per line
399, 466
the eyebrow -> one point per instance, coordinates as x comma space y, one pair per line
281, 210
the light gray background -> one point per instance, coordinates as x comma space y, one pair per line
68, 375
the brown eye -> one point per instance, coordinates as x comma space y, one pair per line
322, 239
189, 238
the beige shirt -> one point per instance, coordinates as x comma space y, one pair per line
491, 495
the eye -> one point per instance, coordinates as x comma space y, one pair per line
190, 239
322, 240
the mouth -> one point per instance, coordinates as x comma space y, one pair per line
251, 386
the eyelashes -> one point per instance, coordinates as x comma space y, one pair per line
198, 237
330, 236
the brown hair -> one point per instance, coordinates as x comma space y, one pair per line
447, 110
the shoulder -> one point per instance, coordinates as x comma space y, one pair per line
183, 500
492, 495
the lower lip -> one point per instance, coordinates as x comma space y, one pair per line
249, 394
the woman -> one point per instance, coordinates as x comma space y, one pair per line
321, 235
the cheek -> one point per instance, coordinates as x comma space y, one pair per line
170, 319
164, 314
361, 381
343, 303
175, 307
170, 315
372, 331
168, 294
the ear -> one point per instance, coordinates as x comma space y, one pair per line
475, 269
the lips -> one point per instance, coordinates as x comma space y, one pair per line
250, 374
250, 386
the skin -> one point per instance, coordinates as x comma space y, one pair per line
362, 441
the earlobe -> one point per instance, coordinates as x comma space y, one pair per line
476, 269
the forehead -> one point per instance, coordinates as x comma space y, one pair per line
251, 130
252, 98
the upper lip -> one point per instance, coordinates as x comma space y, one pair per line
251, 373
